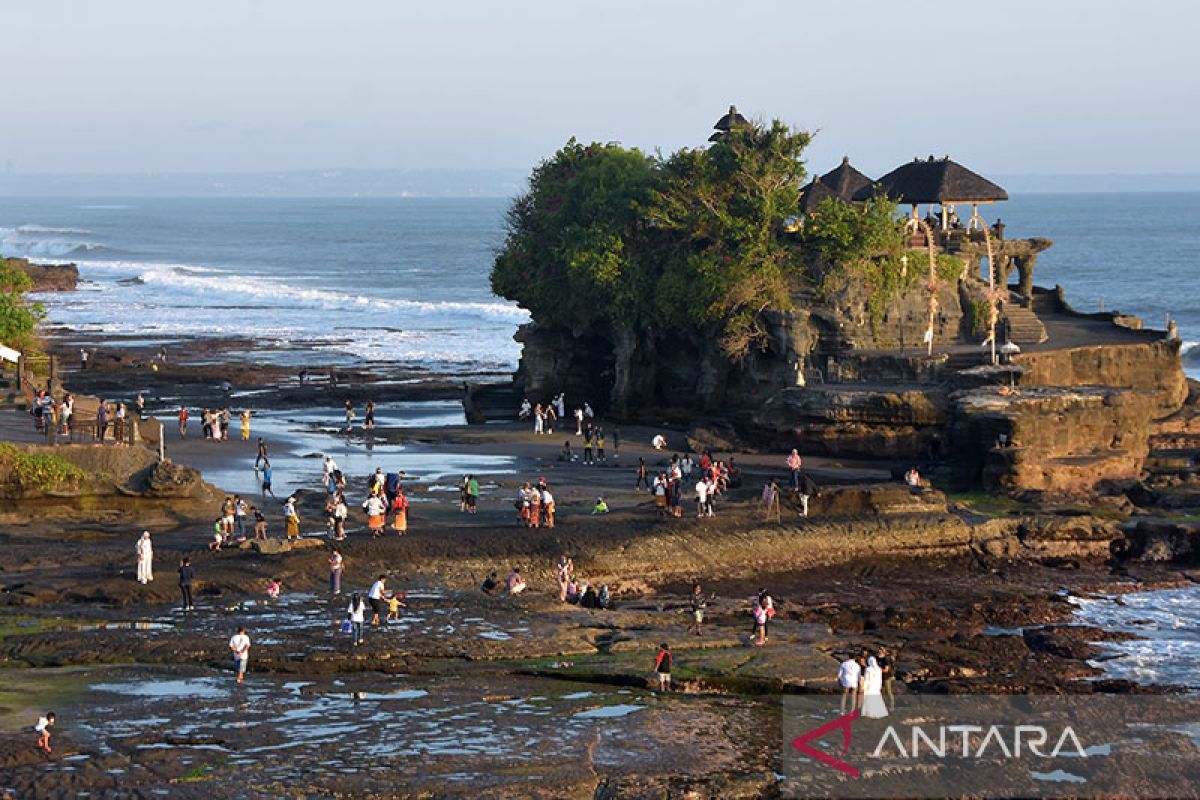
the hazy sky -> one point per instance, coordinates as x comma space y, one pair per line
233, 85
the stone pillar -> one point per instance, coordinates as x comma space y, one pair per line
1025, 266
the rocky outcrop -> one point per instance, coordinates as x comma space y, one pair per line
49, 278
1057, 438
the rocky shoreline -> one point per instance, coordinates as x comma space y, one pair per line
972, 593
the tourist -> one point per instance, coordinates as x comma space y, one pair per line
218, 535
701, 497
260, 524
587, 445
226, 417
489, 585
145, 558
328, 467
514, 584
67, 409
377, 481
565, 453
267, 473
262, 453
539, 420
604, 599
600, 444
697, 603
336, 565
912, 478
274, 587
462, 493
239, 517
376, 596
101, 421
392, 486
888, 667
869, 692
356, 613
400, 509
573, 592
642, 476
349, 415
183, 422
525, 410
83, 359
675, 493
42, 729
187, 576
291, 519
565, 571
601, 507
239, 644
341, 512
768, 606
588, 597
660, 494
376, 514
472, 494
560, 404
760, 623
849, 674
394, 604
369, 416
659, 442
140, 404
547, 507
551, 418
588, 414
579, 422
245, 424
808, 489
119, 424
662, 667
227, 516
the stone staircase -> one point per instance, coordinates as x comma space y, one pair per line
1022, 325
10, 396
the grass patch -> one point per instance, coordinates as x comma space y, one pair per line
990, 505
37, 470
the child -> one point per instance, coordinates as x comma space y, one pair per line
601, 507
42, 729
394, 606
218, 536
662, 667
274, 587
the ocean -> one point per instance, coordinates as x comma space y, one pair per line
399, 281
405, 280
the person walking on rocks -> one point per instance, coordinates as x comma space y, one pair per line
565, 571
239, 644
292, 519
356, 613
186, 576
376, 596
662, 667
336, 565
808, 488
400, 509
793, 464
183, 422
696, 604
42, 729
267, 474
262, 453
145, 558
472, 494
849, 674
643, 476
376, 510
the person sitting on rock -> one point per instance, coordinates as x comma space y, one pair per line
514, 584
490, 584
601, 507
565, 453
659, 442
604, 599
573, 591
913, 478
589, 598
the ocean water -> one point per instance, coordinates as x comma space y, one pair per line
1167, 623
402, 281
406, 280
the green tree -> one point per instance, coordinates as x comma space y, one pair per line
18, 317
571, 255
726, 258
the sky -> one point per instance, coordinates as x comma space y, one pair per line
1017, 87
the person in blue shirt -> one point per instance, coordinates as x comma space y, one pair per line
266, 479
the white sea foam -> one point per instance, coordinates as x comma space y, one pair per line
32, 241
206, 281
1169, 621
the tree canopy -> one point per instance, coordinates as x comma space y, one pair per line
607, 235
18, 317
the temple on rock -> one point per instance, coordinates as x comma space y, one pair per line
953, 359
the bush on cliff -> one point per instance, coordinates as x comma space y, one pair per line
36, 471
18, 317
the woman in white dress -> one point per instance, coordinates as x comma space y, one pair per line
871, 691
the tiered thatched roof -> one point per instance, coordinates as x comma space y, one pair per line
845, 180
933, 181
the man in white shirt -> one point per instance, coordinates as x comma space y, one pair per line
848, 676
376, 596
329, 468
701, 497
239, 644
145, 558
